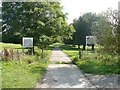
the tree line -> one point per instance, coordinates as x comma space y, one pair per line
44, 21
105, 26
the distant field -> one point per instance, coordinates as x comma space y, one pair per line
9, 45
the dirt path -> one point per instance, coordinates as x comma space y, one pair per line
63, 75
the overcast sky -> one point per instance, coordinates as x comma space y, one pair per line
75, 8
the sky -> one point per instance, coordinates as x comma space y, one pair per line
75, 8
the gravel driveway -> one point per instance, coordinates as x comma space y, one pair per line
70, 76
63, 75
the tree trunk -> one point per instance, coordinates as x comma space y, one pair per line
80, 54
79, 51
33, 50
78, 46
42, 53
84, 47
93, 47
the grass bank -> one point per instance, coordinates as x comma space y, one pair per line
20, 74
89, 62
25, 71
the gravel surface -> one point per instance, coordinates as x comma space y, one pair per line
104, 81
63, 75
59, 56
70, 76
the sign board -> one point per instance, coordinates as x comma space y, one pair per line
27, 42
90, 40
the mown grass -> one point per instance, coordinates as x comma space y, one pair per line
89, 62
0, 74
9, 45
20, 74
23, 72
53, 45
70, 50
98, 67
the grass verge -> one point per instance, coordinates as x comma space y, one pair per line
17, 74
24, 72
91, 65
98, 67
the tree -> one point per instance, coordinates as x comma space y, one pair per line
83, 27
68, 38
105, 29
33, 20
44, 21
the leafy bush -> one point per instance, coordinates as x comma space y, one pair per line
29, 59
75, 60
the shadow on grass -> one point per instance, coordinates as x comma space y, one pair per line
97, 67
38, 69
50, 48
68, 47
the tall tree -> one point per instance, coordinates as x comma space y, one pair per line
44, 21
83, 27
33, 20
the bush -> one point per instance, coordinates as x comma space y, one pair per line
29, 59
75, 60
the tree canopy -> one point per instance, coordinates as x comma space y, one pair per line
83, 28
38, 19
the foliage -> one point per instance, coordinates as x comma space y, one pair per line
105, 29
25, 71
69, 34
37, 20
83, 27
118, 38
98, 67
93, 62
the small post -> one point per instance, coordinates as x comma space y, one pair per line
86, 47
18, 55
93, 47
33, 50
80, 54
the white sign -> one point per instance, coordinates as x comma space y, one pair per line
27, 42
90, 40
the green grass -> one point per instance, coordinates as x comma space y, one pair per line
98, 67
0, 74
20, 74
89, 63
52, 46
9, 45
70, 50
23, 72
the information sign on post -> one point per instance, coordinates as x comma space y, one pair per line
90, 40
27, 42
